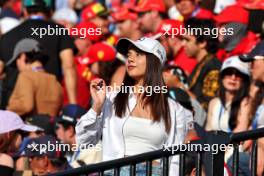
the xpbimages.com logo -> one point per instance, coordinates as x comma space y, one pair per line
57, 30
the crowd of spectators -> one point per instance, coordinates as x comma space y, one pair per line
55, 55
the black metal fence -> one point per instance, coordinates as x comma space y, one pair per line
215, 162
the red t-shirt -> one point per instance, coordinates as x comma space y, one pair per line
185, 62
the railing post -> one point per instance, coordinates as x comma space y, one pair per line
149, 168
214, 162
165, 168
254, 157
182, 164
235, 159
199, 164
133, 170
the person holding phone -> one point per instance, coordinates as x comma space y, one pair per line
132, 122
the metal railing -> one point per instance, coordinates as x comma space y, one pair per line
216, 161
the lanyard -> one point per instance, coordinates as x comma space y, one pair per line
219, 119
36, 17
75, 155
39, 68
257, 115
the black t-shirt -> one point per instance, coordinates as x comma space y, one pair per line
203, 80
52, 44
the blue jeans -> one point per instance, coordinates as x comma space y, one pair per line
244, 159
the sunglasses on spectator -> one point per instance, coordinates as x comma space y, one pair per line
141, 14
231, 72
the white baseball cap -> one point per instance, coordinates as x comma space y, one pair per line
235, 62
10, 121
66, 14
148, 45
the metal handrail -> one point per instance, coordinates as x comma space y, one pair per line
116, 164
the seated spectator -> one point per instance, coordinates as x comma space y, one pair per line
191, 8
230, 111
66, 17
238, 40
174, 46
97, 14
203, 81
65, 131
127, 24
45, 127
12, 129
35, 91
43, 161
172, 76
256, 57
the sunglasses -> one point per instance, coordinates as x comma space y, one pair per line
231, 71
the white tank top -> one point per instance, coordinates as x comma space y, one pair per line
142, 135
220, 116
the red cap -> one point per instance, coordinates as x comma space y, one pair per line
87, 30
170, 27
233, 13
123, 14
100, 52
149, 5
93, 10
255, 5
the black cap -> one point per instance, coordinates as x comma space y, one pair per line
70, 114
255, 54
42, 121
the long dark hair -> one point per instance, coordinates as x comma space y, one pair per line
239, 96
157, 101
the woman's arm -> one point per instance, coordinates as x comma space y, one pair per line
243, 118
208, 126
89, 127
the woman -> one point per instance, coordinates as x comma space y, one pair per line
12, 129
230, 111
131, 122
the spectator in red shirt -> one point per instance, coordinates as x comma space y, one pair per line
190, 8
238, 40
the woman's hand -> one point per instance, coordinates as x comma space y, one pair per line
98, 93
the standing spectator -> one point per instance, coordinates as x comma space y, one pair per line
256, 57
11, 128
35, 91
130, 122
203, 81
59, 48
